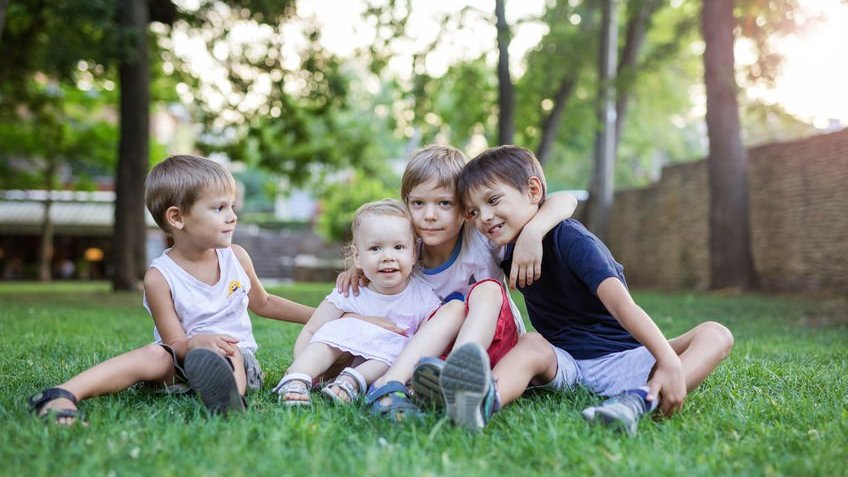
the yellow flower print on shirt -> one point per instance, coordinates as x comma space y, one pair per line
233, 287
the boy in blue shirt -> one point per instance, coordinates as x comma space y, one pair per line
590, 331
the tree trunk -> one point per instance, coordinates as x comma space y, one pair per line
45, 246
551, 123
4, 6
133, 149
637, 25
603, 180
731, 263
506, 100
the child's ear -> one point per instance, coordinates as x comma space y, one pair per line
535, 189
174, 218
354, 253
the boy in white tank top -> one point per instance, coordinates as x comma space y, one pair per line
198, 293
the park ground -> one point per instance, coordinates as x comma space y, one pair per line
777, 406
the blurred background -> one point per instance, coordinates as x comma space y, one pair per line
705, 140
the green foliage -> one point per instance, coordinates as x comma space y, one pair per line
340, 200
776, 406
61, 126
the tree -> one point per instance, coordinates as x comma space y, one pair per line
602, 178
506, 97
59, 127
4, 5
133, 150
731, 262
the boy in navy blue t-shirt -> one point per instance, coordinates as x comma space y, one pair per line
590, 331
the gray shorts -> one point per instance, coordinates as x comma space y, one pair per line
567, 374
608, 375
252, 371
617, 372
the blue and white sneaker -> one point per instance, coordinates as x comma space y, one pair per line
621, 412
468, 387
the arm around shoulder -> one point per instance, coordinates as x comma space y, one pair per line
527, 256
265, 304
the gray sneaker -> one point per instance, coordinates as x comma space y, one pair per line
622, 412
252, 370
468, 387
425, 382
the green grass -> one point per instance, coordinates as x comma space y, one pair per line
777, 406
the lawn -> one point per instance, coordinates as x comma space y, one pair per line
777, 406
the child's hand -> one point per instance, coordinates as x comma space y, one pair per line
669, 385
224, 344
526, 259
350, 280
382, 323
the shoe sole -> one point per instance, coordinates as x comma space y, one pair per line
425, 385
211, 376
464, 382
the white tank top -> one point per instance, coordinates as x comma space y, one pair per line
209, 309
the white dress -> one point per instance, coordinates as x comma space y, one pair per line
407, 309
209, 309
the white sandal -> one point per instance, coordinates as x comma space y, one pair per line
297, 384
343, 384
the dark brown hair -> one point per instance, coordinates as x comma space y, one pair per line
511, 165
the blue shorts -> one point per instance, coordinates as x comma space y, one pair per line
608, 375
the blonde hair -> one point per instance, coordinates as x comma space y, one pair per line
442, 163
179, 181
383, 207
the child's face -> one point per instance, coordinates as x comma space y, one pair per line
211, 221
385, 252
435, 212
500, 211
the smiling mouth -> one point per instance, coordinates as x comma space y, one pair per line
388, 270
495, 229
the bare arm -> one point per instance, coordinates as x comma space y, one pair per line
265, 304
168, 323
378, 321
527, 256
668, 381
325, 313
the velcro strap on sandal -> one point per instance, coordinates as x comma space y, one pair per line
40, 399
358, 378
302, 377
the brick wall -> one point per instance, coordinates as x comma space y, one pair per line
799, 220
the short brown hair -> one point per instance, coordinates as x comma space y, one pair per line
511, 165
179, 181
442, 163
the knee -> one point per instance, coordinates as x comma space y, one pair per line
720, 335
453, 310
536, 347
488, 290
153, 353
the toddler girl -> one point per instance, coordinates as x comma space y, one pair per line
393, 306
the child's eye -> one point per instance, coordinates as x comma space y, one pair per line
445, 203
373, 248
494, 199
400, 247
416, 203
219, 208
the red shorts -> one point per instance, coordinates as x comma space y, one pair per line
506, 332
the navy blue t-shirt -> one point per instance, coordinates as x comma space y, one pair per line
563, 304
